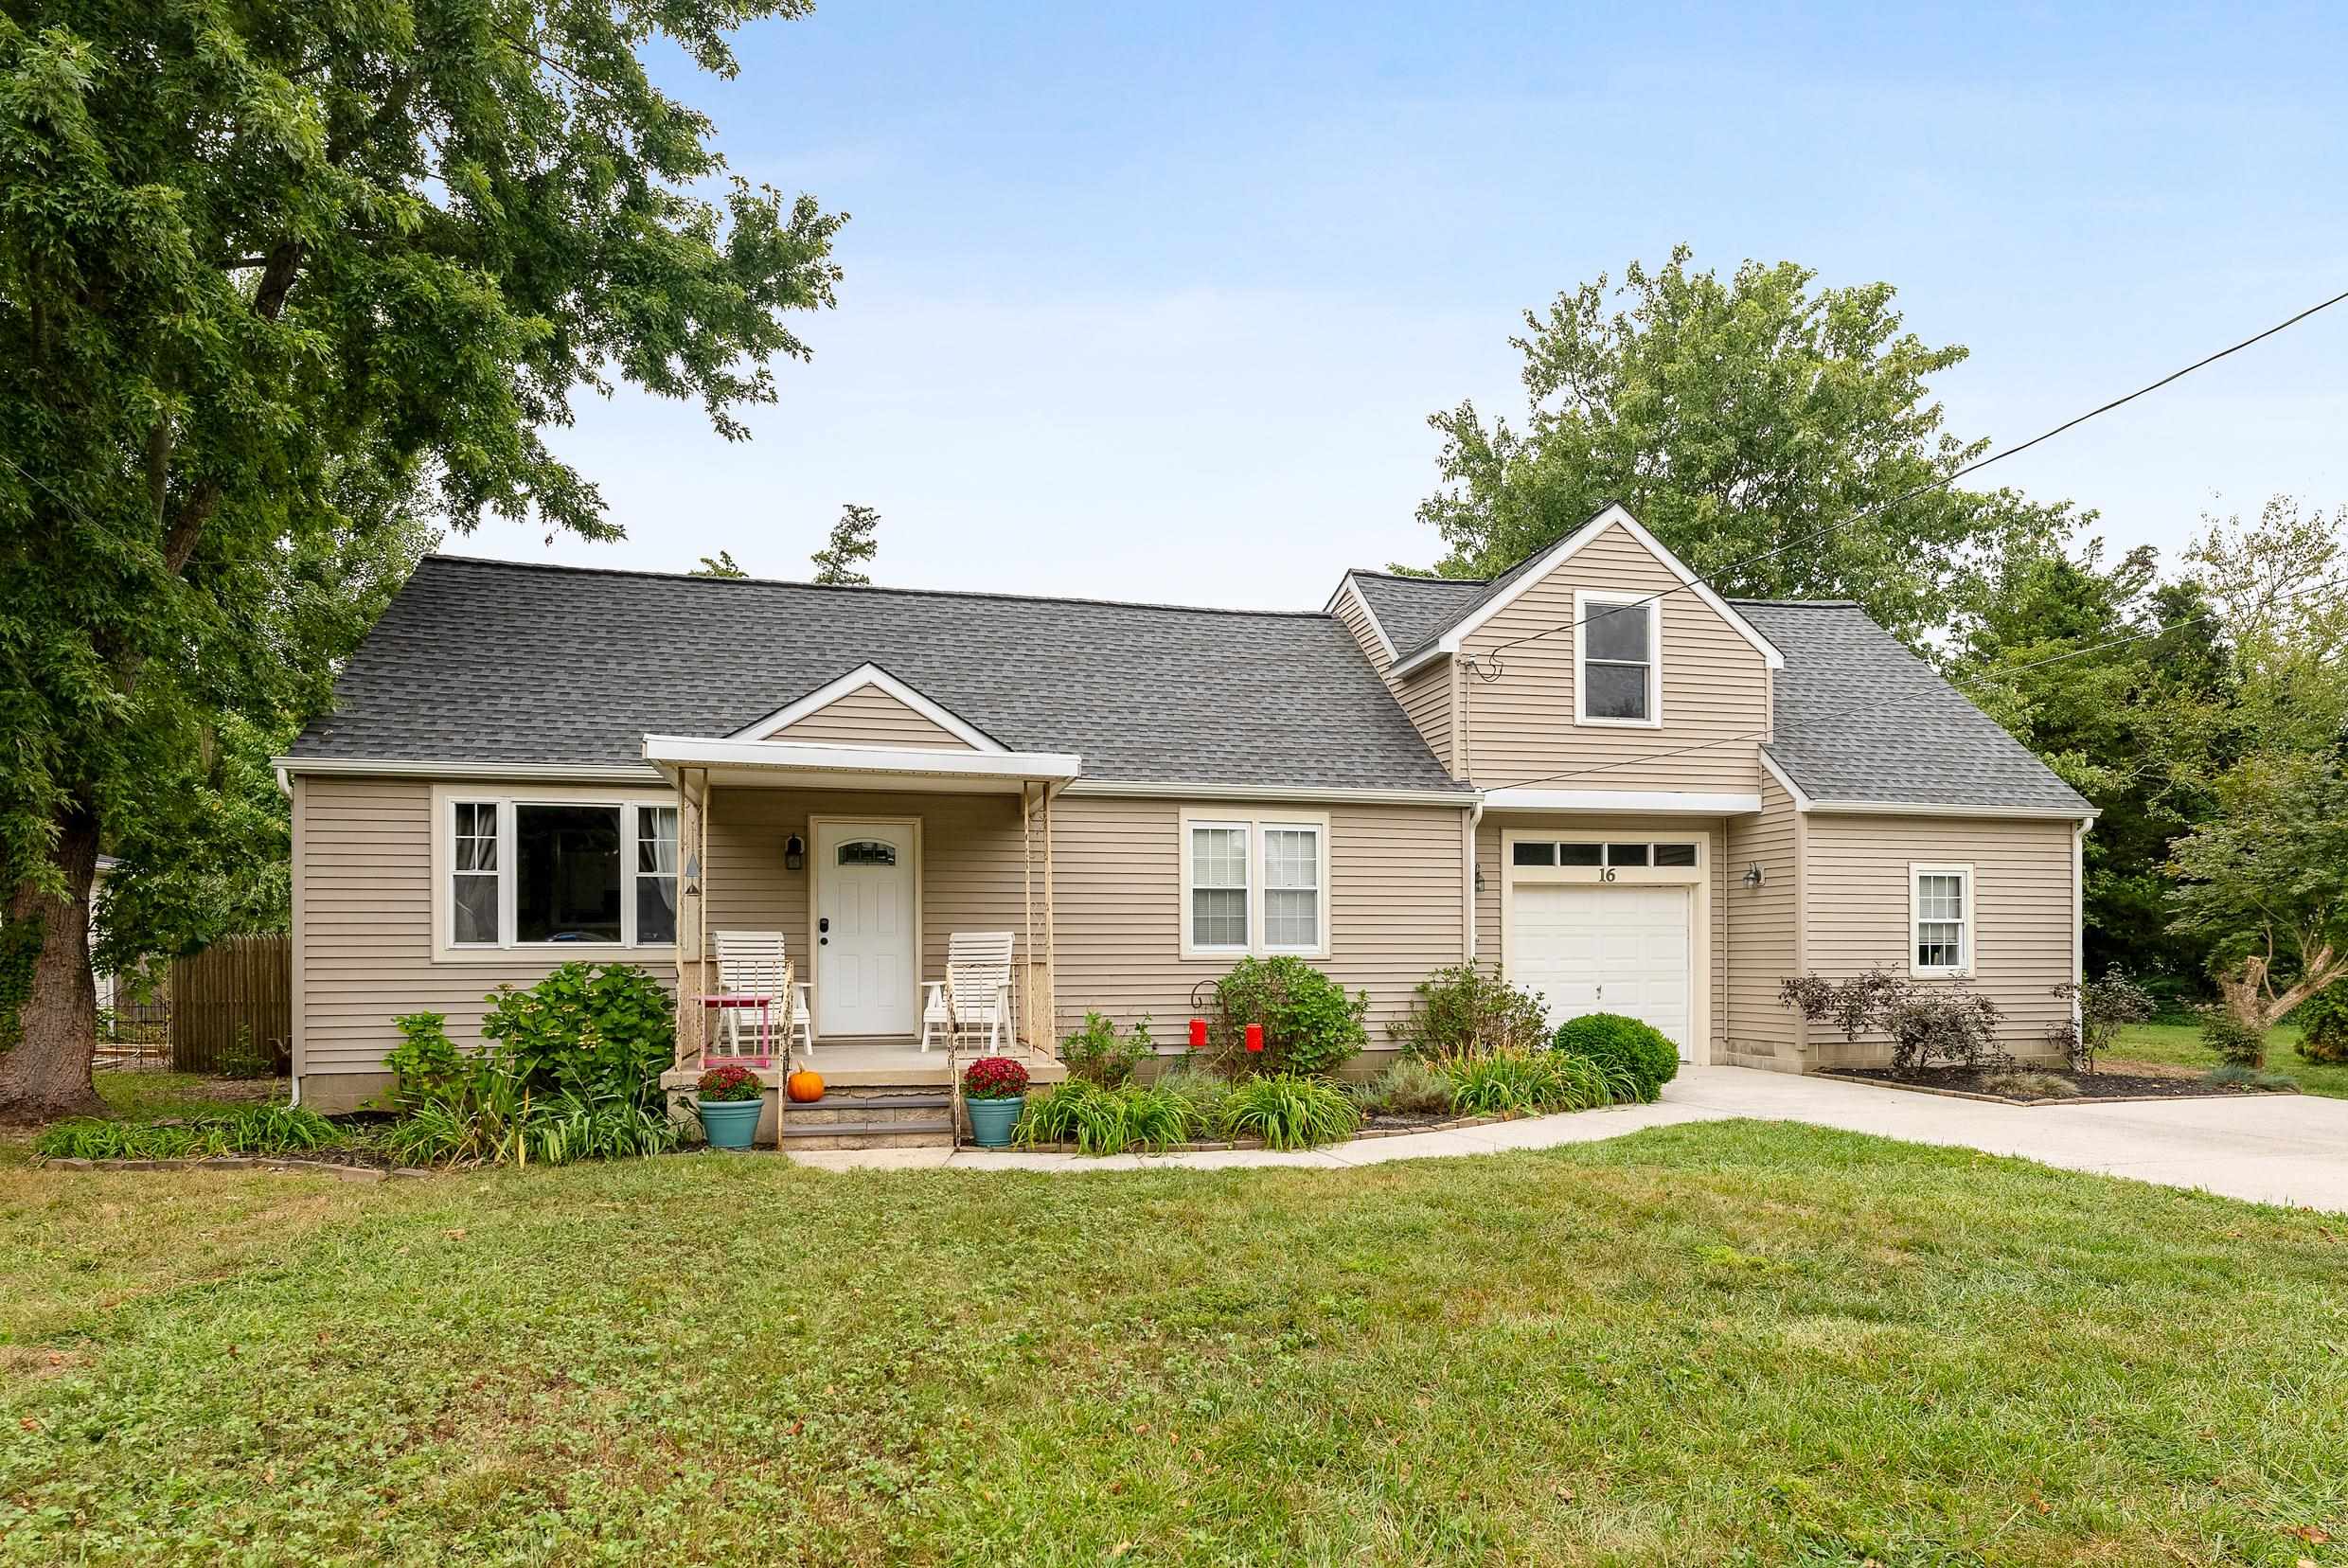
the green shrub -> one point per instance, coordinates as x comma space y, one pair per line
1461, 1012
427, 1063
592, 1030
2323, 1021
1288, 1110
2104, 1007
1612, 1041
2235, 1074
1408, 1088
2236, 1043
1100, 1055
1311, 1024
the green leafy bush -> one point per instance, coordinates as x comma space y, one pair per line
2104, 1007
1288, 1110
2236, 1043
1099, 1054
1940, 1021
592, 1030
1311, 1024
1461, 1012
1612, 1041
2322, 1020
1408, 1088
427, 1063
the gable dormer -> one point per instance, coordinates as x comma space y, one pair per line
1601, 665
868, 706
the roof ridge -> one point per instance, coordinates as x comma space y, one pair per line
1416, 576
566, 568
1802, 604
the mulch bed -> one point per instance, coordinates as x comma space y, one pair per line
2092, 1086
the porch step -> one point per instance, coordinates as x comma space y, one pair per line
908, 1132
864, 1110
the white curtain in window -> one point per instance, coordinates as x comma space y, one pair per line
473, 893
656, 875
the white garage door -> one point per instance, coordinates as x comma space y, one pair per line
1617, 950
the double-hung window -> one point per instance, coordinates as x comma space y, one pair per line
1618, 659
1940, 917
1254, 884
557, 872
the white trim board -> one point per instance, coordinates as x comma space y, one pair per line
567, 773
668, 752
1563, 551
857, 680
1347, 589
1156, 790
1663, 802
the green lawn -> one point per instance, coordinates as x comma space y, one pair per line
1732, 1342
2179, 1044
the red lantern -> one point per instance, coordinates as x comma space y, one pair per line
1255, 1036
1198, 1034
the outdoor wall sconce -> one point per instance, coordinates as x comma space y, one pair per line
795, 852
1755, 876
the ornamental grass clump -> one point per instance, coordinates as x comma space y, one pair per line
1408, 1088
1522, 1083
1289, 1111
275, 1129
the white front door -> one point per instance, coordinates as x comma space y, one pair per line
1615, 949
866, 938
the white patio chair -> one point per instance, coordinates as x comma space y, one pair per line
976, 992
754, 963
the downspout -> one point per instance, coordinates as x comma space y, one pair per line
1467, 881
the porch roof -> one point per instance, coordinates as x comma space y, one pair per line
785, 764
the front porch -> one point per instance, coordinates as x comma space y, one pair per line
866, 863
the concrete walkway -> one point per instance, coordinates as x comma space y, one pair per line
2276, 1149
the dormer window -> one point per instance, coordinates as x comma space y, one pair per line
1617, 659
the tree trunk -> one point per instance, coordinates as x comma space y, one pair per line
48, 1074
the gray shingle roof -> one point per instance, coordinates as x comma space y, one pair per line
1860, 718
485, 661
1413, 609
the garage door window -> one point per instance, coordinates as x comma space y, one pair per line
1542, 852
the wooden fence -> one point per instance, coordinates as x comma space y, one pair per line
231, 1006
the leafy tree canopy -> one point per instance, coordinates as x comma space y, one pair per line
850, 546
2264, 880
1750, 424
275, 281
720, 565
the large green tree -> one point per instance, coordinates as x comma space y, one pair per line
1771, 434
273, 276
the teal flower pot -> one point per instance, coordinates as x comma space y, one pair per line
730, 1124
991, 1120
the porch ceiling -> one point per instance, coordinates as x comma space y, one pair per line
790, 764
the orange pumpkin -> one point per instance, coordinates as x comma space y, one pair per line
803, 1086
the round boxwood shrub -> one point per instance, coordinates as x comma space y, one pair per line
1612, 1041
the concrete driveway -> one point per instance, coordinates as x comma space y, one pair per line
2273, 1149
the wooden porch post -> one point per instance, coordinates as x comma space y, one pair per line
1051, 933
692, 917
1027, 904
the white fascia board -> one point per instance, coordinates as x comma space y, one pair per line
574, 773
1161, 790
1566, 549
857, 680
1785, 781
1641, 802
669, 751
1350, 589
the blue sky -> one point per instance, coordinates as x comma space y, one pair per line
1153, 302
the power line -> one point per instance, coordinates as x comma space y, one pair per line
2331, 588
1492, 656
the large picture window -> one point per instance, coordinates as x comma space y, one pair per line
1254, 885
1617, 659
559, 872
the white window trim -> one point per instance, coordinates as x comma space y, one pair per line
1967, 933
1254, 824
1584, 601
445, 799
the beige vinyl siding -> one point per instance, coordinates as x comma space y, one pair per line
1491, 878
1426, 696
1763, 939
970, 864
1715, 689
362, 886
870, 716
1855, 914
1355, 617
1394, 906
